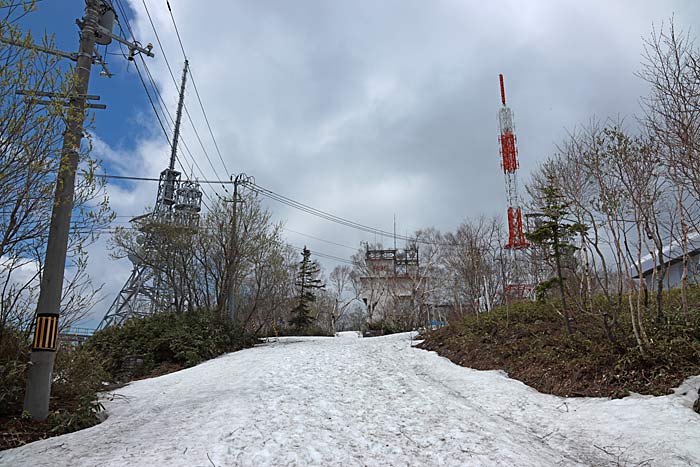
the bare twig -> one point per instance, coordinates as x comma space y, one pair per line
604, 450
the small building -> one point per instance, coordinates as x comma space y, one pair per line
672, 255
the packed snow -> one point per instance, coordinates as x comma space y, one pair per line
349, 401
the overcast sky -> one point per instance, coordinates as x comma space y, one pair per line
367, 109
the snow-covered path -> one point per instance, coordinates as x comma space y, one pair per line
346, 401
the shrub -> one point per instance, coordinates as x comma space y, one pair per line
77, 374
142, 345
309, 331
14, 361
386, 327
77, 378
87, 413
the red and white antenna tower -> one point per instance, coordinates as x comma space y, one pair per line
509, 153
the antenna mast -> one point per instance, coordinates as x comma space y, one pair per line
178, 116
509, 163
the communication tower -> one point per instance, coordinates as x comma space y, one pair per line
509, 162
176, 211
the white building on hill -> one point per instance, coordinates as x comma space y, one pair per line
672, 255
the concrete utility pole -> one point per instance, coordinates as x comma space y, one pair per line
36, 401
44, 347
230, 286
234, 252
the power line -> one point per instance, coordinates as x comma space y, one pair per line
160, 44
138, 71
164, 109
309, 210
337, 219
282, 199
324, 255
162, 105
176, 29
189, 117
194, 85
172, 75
151, 179
165, 132
318, 213
320, 239
160, 122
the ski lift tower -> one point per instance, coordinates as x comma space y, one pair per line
176, 210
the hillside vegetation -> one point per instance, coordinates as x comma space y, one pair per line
528, 341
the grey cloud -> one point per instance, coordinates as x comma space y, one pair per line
366, 109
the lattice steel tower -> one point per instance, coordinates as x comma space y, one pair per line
510, 165
176, 211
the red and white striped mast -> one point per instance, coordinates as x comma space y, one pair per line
509, 163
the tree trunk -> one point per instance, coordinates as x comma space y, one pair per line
557, 257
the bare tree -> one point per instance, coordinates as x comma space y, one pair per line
30, 142
672, 118
615, 185
472, 263
196, 264
343, 292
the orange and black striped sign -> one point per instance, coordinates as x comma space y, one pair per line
46, 332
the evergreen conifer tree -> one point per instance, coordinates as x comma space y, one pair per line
307, 282
555, 233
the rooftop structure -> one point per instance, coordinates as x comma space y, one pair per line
671, 256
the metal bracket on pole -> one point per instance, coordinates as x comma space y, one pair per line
133, 46
58, 53
98, 60
33, 99
90, 97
